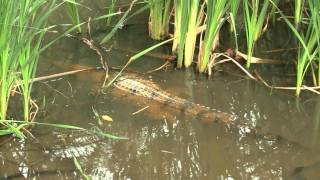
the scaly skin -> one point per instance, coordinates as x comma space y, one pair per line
143, 88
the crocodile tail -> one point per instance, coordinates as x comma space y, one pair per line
215, 116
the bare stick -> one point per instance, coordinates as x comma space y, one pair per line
59, 75
159, 68
140, 110
256, 60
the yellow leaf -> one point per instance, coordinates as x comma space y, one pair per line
106, 118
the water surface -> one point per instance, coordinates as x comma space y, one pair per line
163, 143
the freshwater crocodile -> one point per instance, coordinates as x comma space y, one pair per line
131, 83
137, 86
145, 88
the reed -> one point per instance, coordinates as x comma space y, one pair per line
273, 11
111, 9
253, 21
183, 30
7, 64
159, 19
177, 24
191, 35
126, 16
234, 7
309, 42
298, 5
216, 10
21, 34
73, 13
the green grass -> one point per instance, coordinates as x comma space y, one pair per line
308, 41
185, 5
21, 34
216, 10
298, 5
111, 9
234, 7
191, 35
73, 13
159, 19
177, 25
254, 19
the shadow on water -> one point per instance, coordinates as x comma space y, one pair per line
163, 143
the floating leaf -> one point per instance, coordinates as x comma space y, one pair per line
106, 118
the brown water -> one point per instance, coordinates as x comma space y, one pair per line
162, 143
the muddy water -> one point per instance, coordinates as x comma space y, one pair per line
163, 143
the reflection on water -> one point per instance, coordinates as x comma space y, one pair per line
162, 144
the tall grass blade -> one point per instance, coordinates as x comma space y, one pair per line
216, 10
254, 19
191, 35
159, 19
73, 12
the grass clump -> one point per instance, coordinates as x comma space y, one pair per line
216, 10
21, 34
73, 13
254, 19
159, 19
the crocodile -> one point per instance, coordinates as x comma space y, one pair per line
147, 89
134, 84
138, 86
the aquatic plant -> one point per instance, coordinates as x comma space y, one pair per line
177, 24
159, 19
273, 11
73, 12
21, 34
216, 10
309, 42
253, 21
234, 7
121, 21
183, 30
191, 35
298, 5
111, 9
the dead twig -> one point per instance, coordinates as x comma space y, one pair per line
235, 62
256, 60
60, 75
159, 68
311, 89
140, 110
35, 112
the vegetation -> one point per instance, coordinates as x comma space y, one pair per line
21, 34
254, 22
73, 13
24, 25
159, 19
189, 20
216, 10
